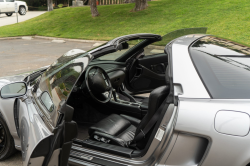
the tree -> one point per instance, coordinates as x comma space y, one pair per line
93, 8
50, 5
140, 5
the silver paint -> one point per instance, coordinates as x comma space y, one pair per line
196, 116
198, 120
187, 150
184, 72
37, 130
232, 123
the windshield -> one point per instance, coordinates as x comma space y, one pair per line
115, 55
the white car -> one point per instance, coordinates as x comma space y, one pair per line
8, 7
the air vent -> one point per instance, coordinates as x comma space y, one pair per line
16, 115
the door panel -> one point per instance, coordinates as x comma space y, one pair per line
3, 6
147, 73
32, 132
155, 63
40, 146
10, 5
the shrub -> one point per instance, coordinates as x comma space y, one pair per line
65, 93
62, 86
60, 5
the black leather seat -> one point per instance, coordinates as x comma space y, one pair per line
143, 100
144, 103
121, 129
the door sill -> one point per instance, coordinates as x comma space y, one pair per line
78, 162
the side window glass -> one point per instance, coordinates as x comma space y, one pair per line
1, 0
64, 80
47, 102
113, 56
10, 0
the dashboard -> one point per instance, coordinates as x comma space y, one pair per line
115, 70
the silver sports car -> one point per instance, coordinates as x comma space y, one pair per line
177, 100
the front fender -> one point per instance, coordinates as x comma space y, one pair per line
7, 112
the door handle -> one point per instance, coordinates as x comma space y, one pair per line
159, 68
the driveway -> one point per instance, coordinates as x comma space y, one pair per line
5, 20
19, 56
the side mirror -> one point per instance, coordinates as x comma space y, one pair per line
13, 90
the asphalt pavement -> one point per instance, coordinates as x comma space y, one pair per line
5, 20
19, 56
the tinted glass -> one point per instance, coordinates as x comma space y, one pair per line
224, 67
1, 0
158, 47
10, 0
61, 76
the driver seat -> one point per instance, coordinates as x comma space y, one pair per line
122, 129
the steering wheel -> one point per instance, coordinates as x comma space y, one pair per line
98, 84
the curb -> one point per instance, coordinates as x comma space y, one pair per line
66, 39
62, 40
54, 38
10, 38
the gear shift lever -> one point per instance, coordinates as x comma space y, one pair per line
114, 94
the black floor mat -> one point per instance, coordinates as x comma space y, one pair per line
83, 131
87, 114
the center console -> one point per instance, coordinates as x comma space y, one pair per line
132, 108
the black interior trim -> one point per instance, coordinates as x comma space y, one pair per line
127, 152
135, 49
126, 109
152, 74
113, 149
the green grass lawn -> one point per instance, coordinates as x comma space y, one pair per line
225, 18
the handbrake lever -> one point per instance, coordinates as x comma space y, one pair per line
114, 94
122, 91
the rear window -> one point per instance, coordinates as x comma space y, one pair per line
223, 66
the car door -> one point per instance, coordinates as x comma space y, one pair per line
45, 123
3, 6
10, 5
46, 127
147, 73
41, 144
147, 70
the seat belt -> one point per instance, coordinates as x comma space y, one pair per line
151, 123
